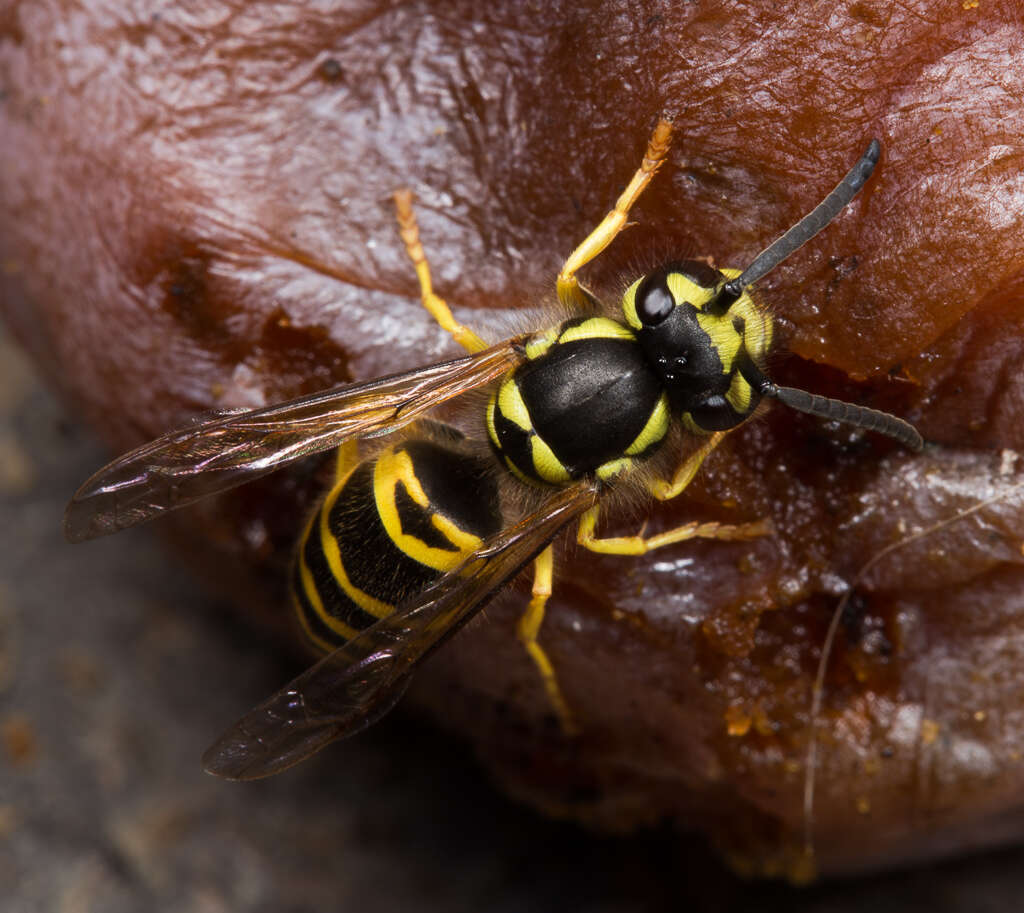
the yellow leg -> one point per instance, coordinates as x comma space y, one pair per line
639, 545
346, 459
528, 629
436, 307
569, 290
665, 491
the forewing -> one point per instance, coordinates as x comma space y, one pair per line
359, 682
234, 448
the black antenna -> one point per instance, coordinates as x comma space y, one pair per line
847, 413
834, 410
805, 229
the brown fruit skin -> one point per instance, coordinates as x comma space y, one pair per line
197, 214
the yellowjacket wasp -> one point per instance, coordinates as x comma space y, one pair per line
410, 544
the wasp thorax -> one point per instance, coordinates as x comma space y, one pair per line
696, 345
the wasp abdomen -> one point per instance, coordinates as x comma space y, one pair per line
388, 529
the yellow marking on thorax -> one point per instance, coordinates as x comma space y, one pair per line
512, 406
597, 328
547, 466
492, 431
608, 471
655, 429
539, 343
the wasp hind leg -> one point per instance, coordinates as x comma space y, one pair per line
570, 292
528, 629
435, 305
346, 458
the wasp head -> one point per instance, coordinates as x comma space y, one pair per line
705, 346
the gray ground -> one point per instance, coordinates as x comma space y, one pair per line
115, 671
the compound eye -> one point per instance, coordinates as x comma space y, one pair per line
654, 302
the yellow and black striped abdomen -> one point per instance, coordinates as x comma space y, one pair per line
388, 529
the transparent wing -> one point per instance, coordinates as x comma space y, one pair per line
361, 681
233, 448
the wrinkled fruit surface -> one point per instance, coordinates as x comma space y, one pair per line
196, 213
